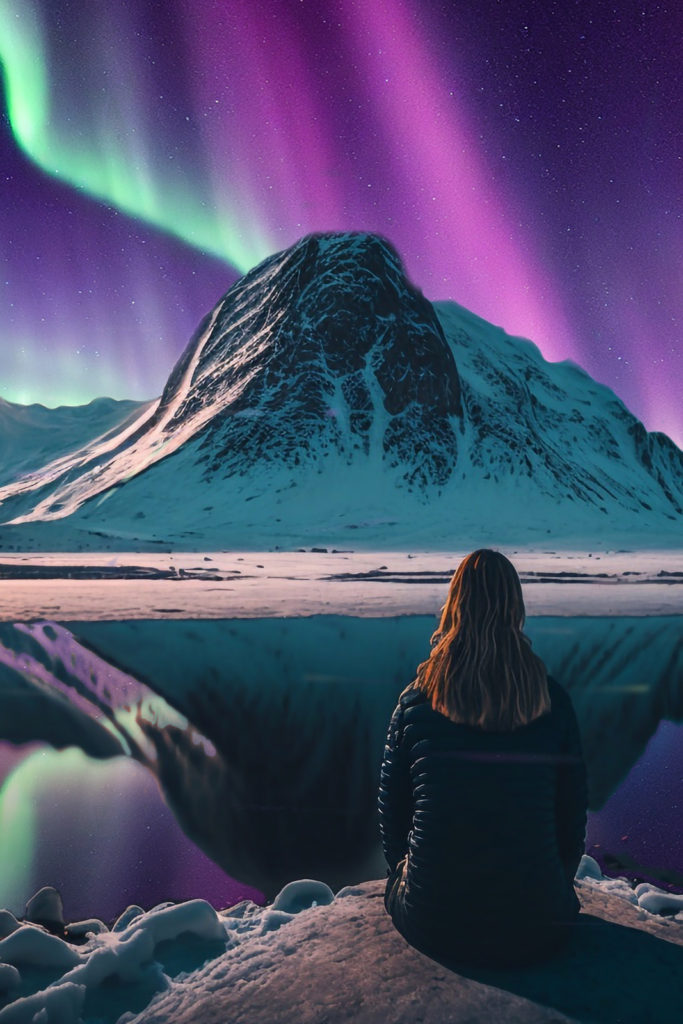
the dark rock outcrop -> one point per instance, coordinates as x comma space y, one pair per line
325, 348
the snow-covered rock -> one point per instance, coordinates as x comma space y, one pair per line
45, 907
657, 901
128, 915
346, 962
32, 945
302, 894
9, 978
589, 868
325, 394
79, 930
339, 962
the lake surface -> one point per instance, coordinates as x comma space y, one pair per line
226, 757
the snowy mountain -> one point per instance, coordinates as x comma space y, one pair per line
325, 394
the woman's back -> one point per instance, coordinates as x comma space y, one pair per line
482, 828
491, 826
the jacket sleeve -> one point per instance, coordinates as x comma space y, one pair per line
395, 794
571, 793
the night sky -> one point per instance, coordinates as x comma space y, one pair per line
522, 157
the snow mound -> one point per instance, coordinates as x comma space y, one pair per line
645, 895
303, 894
60, 1004
8, 923
138, 958
655, 901
9, 977
589, 868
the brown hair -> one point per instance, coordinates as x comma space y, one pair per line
481, 670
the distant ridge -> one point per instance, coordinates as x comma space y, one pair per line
33, 435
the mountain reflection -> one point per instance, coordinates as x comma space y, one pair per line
266, 735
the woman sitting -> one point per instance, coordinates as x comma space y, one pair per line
483, 787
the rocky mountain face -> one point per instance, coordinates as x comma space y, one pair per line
324, 385
323, 349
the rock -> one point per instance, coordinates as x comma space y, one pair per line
301, 895
345, 962
45, 908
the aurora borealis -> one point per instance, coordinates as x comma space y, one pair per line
522, 157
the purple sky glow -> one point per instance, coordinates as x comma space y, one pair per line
523, 158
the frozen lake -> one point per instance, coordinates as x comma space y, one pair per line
227, 585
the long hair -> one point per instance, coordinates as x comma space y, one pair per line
481, 670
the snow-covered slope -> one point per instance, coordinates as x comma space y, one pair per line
32, 436
325, 394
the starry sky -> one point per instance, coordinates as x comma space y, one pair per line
523, 157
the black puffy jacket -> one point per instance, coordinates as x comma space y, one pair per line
483, 830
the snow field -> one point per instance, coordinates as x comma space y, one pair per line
117, 972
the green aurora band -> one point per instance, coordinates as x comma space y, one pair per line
112, 163
18, 832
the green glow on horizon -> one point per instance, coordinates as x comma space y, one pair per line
82, 378
25, 395
117, 164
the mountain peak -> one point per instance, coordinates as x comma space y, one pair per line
323, 347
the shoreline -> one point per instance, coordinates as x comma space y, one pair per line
103, 586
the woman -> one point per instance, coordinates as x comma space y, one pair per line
483, 787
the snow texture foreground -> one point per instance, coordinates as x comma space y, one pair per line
311, 956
